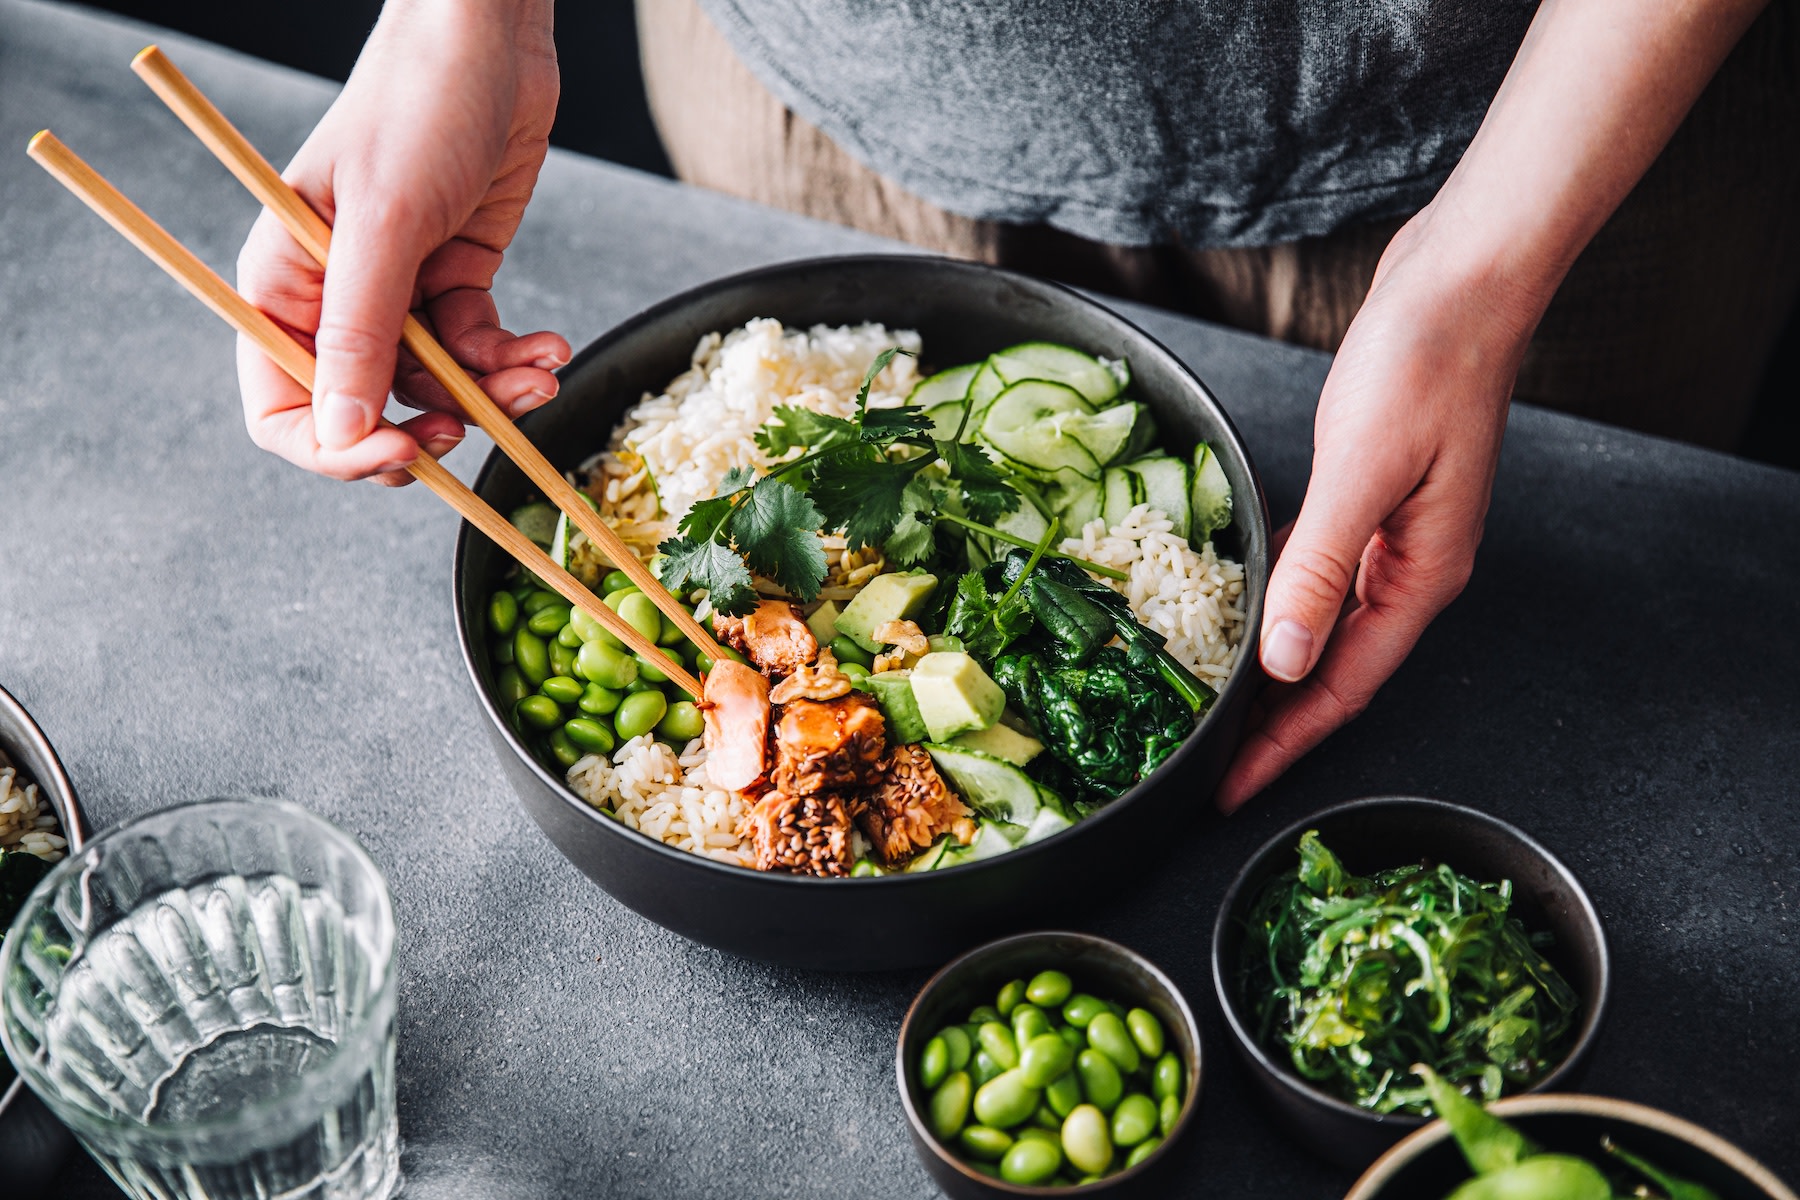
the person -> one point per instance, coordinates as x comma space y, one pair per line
1419, 216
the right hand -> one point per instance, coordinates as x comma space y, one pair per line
423, 167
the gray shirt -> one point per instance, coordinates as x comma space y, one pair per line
1208, 122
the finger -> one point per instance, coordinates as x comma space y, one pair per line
281, 422
437, 435
469, 327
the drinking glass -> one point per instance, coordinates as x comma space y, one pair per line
206, 997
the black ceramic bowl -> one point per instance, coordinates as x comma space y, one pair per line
1372, 835
964, 311
32, 1142
1427, 1164
1105, 969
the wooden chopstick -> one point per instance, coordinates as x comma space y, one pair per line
254, 171
206, 285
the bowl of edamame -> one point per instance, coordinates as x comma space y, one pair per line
1046, 1063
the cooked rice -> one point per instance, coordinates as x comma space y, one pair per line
656, 790
26, 822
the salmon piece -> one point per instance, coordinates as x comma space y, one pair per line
828, 745
910, 806
771, 635
737, 725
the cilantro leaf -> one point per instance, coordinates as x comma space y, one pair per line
911, 541
777, 529
862, 492
792, 427
887, 424
704, 563
986, 623
707, 518
986, 494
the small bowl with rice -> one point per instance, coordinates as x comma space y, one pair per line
652, 415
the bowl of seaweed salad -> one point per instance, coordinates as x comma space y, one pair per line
1393, 931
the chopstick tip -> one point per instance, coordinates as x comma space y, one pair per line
39, 136
148, 52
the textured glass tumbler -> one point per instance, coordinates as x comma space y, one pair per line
206, 997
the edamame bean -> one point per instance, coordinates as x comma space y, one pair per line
652, 670
1106, 1033
1076, 1037
590, 735
641, 685
503, 651
682, 723
596, 700
640, 612
1086, 1141
983, 1012
957, 1041
503, 613
1011, 996
1042, 1134
540, 712
614, 581
562, 689
1030, 1162
511, 685
934, 1063
847, 651
613, 599
567, 636
703, 662
562, 659
565, 752
1082, 1008
638, 714
538, 600
950, 1105
857, 675
1166, 1080
1044, 1119
985, 1067
548, 619
586, 628
1029, 1021
1006, 1100
1167, 1113
1044, 1058
1064, 1093
1146, 1031
1048, 988
984, 1143
998, 1041
670, 634
601, 664
1100, 1081
1134, 1119
1141, 1151
531, 656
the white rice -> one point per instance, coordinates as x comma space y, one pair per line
655, 790
26, 822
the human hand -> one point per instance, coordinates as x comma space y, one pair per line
1405, 446
423, 166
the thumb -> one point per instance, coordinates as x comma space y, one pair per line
367, 293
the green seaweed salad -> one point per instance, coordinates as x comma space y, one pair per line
19, 873
1356, 979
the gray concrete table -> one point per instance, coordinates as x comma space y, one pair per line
187, 616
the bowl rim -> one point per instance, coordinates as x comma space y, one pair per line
1235, 896
1400, 1155
661, 310
1190, 1105
64, 800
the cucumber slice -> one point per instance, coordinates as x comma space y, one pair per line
1166, 488
932, 857
1121, 370
1047, 823
560, 551
1211, 496
991, 786
1025, 423
1108, 433
536, 521
1077, 501
986, 385
944, 387
1059, 364
992, 838
1142, 441
1024, 522
1124, 491
945, 418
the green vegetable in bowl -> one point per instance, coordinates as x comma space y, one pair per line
1356, 979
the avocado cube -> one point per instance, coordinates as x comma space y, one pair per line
1001, 742
954, 694
893, 692
823, 622
896, 596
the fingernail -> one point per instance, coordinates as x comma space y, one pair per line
550, 363
1287, 651
386, 468
338, 420
437, 447
535, 398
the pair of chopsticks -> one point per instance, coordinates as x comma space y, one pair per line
314, 235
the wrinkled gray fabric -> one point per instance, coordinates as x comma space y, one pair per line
1212, 122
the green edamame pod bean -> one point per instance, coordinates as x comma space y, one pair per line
1045, 1119
511, 685
1141, 1151
548, 619
1011, 996
1107, 1034
1541, 1177
1100, 1081
1134, 1120
538, 600
614, 581
1006, 1100
670, 634
950, 1105
540, 712
523, 586
1029, 1021
1064, 1093
562, 659
1048, 988
562, 689
566, 636
615, 598
956, 1039
682, 723
997, 1040
590, 735
641, 685
985, 1067
984, 1143
503, 613
1167, 1113
1086, 1141
857, 675
1044, 1058
503, 651
1039, 1133
934, 1063
1082, 1008
1030, 1161
649, 668
596, 700
638, 714
1146, 1031
585, 627
640, 612
704, 662
601, 664
984, 1012
565, 752
531, 656
1166, 1080
1074, 1035
847, 651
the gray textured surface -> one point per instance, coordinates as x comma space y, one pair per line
187, 616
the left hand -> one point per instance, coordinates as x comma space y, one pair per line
1405, 446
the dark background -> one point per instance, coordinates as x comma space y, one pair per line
603, 113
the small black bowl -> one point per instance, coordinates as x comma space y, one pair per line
1105, 969
33, 1143
1372, 835
1428, 1165
963, 311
